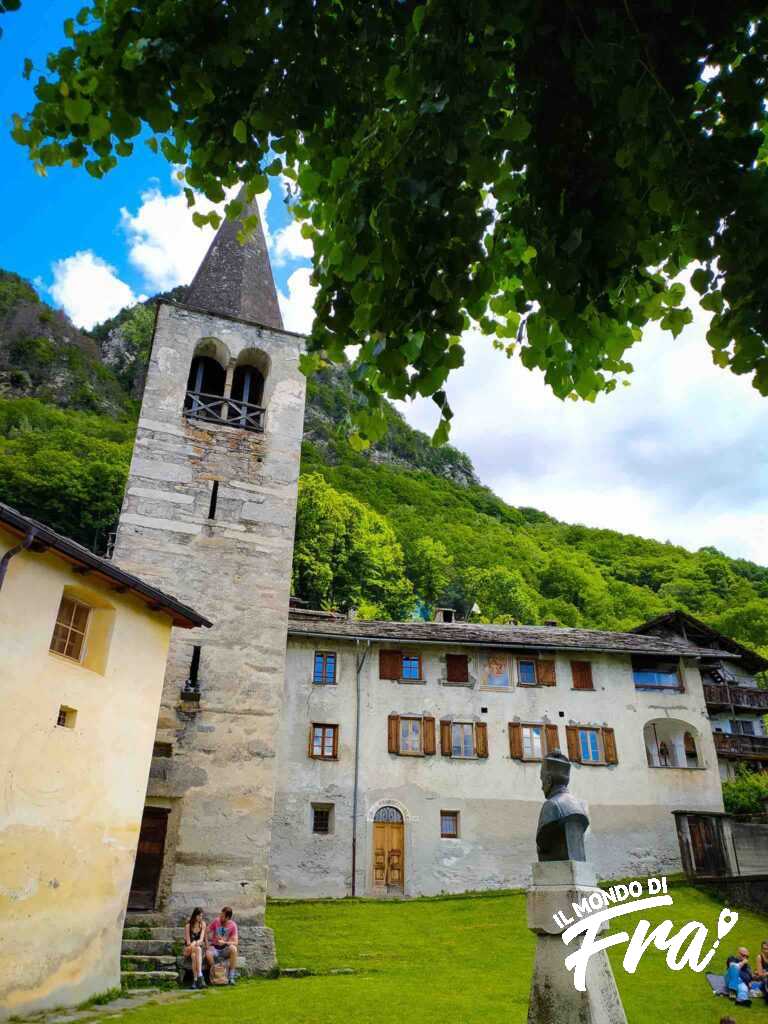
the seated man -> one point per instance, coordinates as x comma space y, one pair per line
222, 942
738, 976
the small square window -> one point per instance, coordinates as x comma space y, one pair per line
324, 742
325, 668
70, 630
462, 739
449, 824
410, 736
526, 672
322, 819
589, 745
66, 717
411, 668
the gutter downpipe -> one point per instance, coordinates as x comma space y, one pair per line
5, 560
360, 662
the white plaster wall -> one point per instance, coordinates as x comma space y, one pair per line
498, 799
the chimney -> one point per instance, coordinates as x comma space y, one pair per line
351, 614
444, 615
551, 622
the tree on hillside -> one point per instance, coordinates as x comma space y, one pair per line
429, 567
501, 595
347, 556
544, 170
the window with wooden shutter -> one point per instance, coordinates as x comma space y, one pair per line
581, 673
428, 733
545, 672
481, 739
445, 739
516, 741
390, 664
410, 736
551, 739
393, 734
572, 737
609, 746
410, 668
457, 668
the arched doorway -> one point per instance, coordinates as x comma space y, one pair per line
388, 850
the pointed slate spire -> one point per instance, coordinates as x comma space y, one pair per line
236, 279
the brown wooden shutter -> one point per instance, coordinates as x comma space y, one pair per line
457, 668
551, 739
516, 741
309, 747
335, 741
574, 748
545, 672
428, 735
481, 739
393, 734
609, 746
581, 671
390, 664
445, 739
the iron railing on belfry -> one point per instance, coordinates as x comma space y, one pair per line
230, 412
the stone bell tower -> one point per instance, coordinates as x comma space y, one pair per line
208, 516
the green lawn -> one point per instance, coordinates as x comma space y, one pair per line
464, 960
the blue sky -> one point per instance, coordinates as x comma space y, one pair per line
46, 220
679, 455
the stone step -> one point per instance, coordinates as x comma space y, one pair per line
148, 947
148, 963
154, 932
148, 979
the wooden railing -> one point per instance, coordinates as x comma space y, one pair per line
735, 696
734, 745
230, 412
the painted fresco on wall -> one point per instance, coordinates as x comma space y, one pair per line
496, 671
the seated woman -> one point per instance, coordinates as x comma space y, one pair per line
761, 969
194, 945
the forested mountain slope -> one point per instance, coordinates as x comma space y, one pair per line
398, 528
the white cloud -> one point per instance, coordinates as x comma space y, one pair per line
289, 245
163, 243
296, 306
88, 289
680, 455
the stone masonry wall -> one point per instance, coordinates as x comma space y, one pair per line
236, 570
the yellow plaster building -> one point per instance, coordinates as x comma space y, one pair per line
84, 649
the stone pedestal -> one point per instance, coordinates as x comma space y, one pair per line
553, 999
257, 947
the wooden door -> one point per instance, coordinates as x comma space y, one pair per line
707, 855
149, 859
388, 855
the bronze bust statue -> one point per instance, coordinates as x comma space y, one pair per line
563, 819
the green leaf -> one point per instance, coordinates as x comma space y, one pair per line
418, 17
700, 280
77, 109
517, 128
240, 131
675, 294
659, 200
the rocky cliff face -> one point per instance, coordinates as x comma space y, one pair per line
43, 355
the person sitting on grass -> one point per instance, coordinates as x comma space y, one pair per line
761, 969
738, 976
222, 941
727, 1020
194, 944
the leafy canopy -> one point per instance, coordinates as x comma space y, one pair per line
545, 170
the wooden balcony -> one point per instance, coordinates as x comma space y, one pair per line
722, 697
746, 747
229, 412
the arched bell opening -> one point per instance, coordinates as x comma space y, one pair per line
207, 380
670, 743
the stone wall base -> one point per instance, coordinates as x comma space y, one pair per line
257, 947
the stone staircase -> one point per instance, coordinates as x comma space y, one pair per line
150, 953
